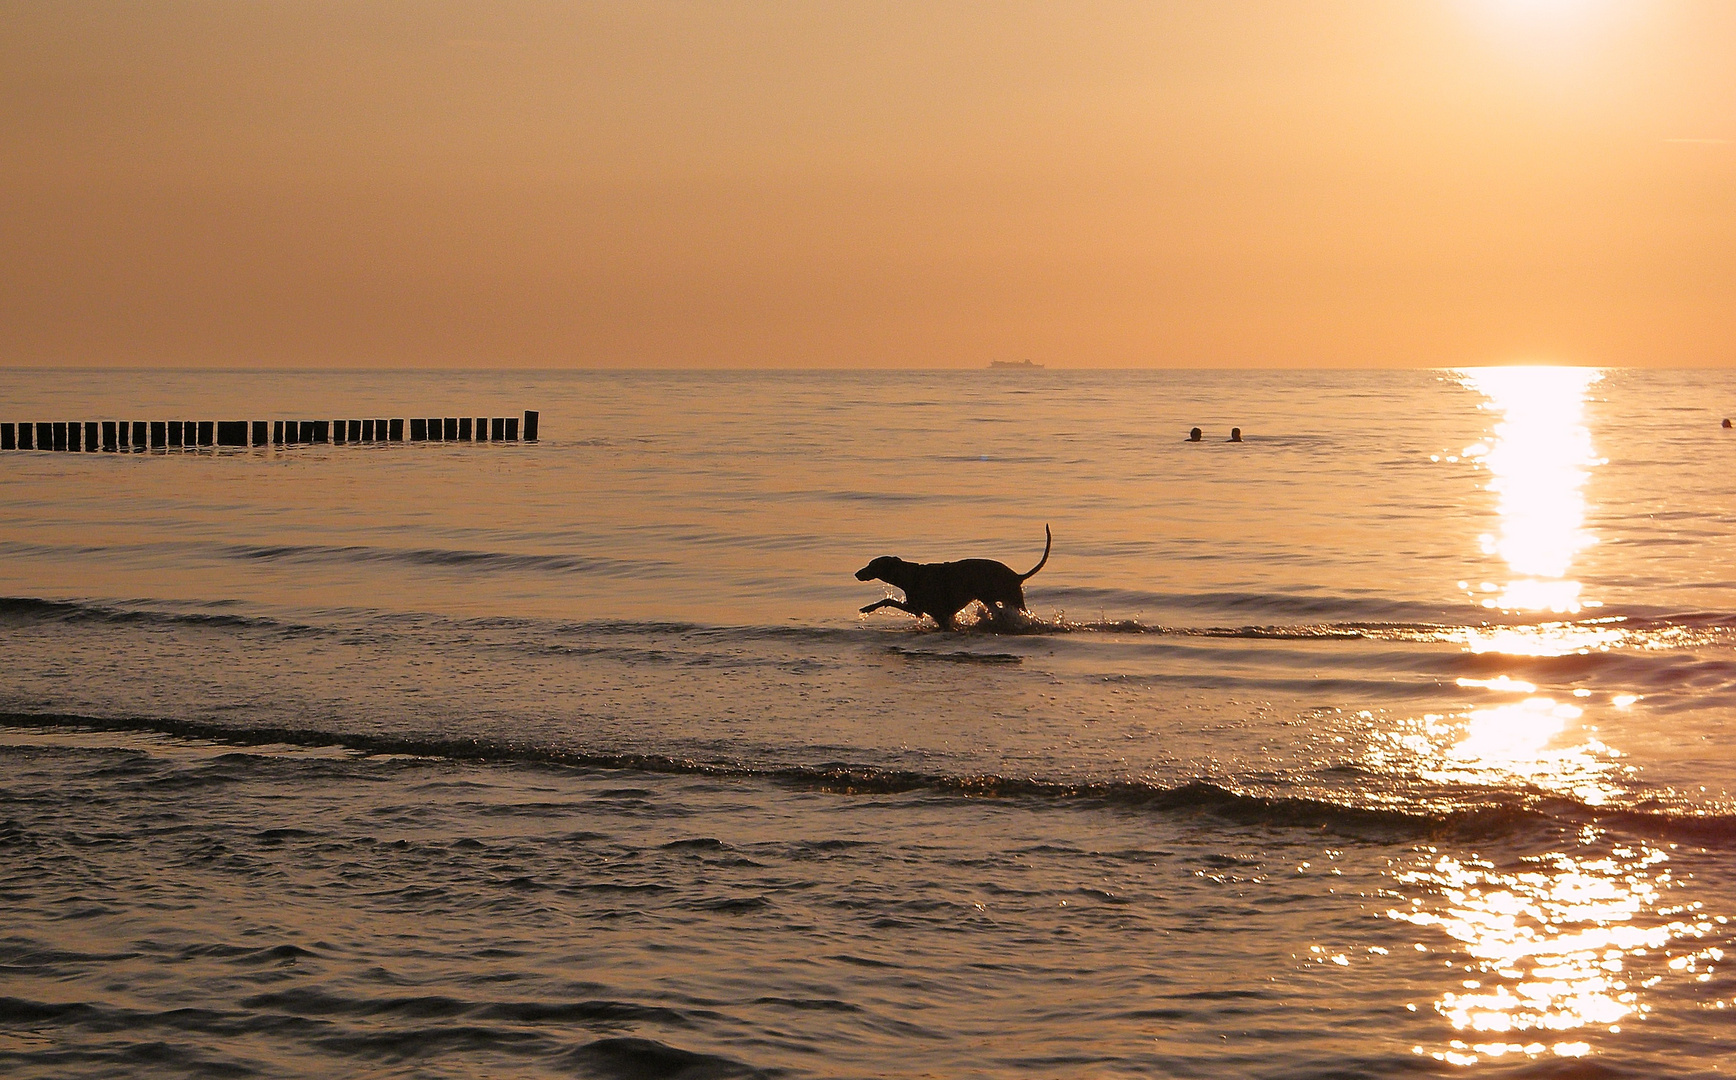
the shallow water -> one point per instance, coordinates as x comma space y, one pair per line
1393, 739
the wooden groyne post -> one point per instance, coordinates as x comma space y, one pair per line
118, 436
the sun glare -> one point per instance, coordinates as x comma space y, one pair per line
1538, 464
1543, 21
1560, 947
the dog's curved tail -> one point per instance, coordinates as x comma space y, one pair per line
1048, 539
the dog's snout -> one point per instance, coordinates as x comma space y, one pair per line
865, 573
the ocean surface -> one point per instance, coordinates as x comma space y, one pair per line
1398, 739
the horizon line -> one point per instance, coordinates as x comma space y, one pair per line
268, 369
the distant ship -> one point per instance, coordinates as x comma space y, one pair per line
1021, 365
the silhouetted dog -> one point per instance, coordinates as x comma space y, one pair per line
942, 590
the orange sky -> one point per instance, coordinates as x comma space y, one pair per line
868, 184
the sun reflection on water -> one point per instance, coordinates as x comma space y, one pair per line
1538, 461
1552, 952
1536, 745
1538, 465
1546, 639
1559, 946
1515, 736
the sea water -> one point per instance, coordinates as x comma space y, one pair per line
1396, 739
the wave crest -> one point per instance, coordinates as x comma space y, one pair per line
1493, 817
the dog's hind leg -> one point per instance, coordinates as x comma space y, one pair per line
945, 618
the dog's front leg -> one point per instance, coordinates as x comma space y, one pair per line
891, 602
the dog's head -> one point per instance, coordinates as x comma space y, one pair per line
884, 568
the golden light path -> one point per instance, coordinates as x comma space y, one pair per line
1538, 465
1538, 461
1555, 949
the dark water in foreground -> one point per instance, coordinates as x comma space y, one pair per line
1393, 741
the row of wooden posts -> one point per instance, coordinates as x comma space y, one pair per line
117, 435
